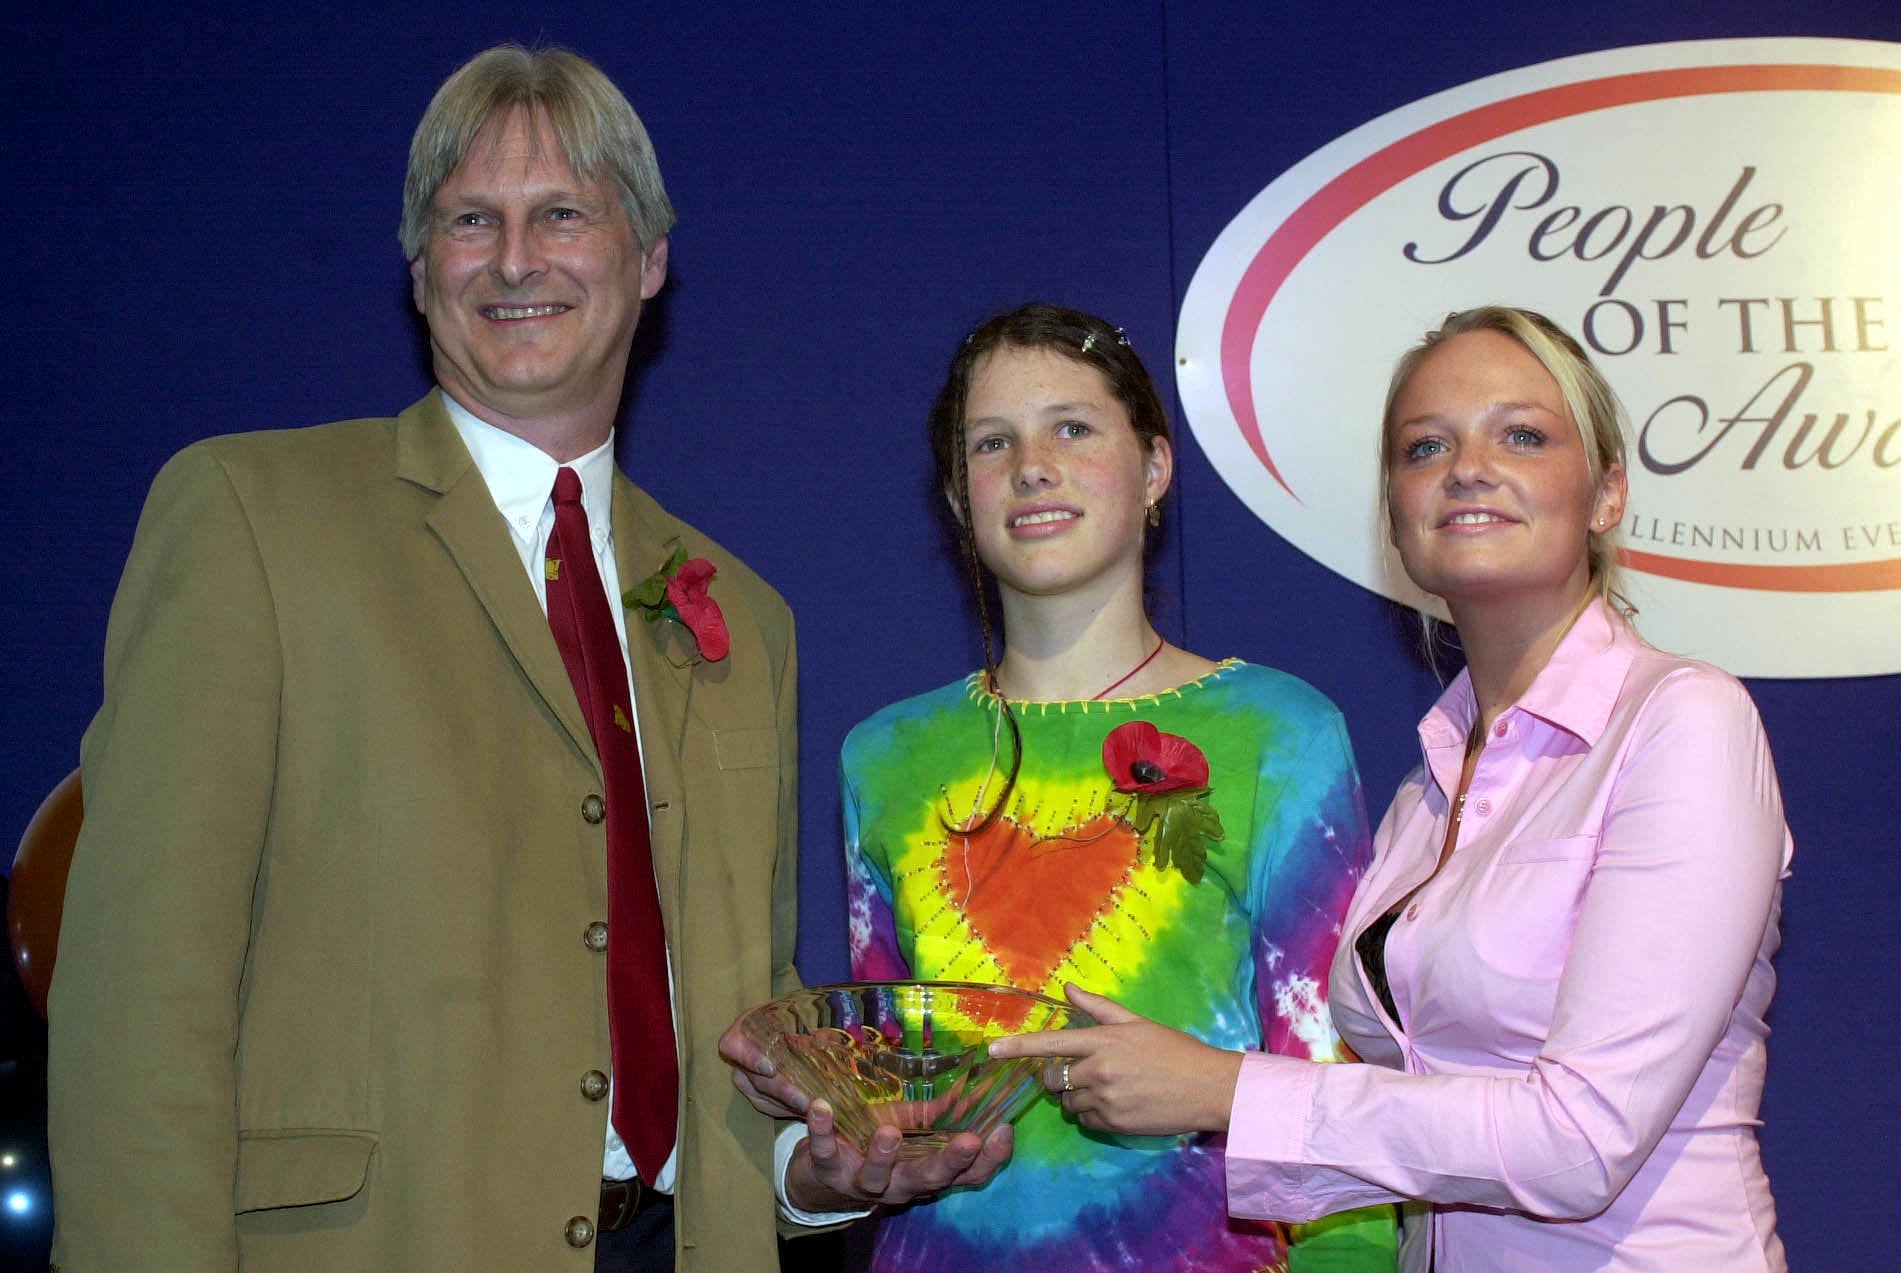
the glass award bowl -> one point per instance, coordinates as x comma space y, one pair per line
913, 1054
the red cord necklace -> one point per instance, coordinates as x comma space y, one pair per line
1127, 676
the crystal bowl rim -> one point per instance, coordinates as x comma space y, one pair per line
835, 987
753, 1023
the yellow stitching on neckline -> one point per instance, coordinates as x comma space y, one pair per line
975, 691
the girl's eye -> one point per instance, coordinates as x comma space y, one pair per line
991, 443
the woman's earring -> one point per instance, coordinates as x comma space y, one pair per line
1155, 514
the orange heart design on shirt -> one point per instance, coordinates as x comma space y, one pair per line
1031, 899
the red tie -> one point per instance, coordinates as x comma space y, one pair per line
639, 1012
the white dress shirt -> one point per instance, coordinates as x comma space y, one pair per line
520, 478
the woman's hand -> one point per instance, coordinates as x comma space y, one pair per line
1131, 1075
828, 1174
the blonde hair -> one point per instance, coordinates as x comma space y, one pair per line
1588, 397
595, 127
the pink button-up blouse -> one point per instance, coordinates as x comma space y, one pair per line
1575, 1073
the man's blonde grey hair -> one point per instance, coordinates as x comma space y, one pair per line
1590, 399
596, 128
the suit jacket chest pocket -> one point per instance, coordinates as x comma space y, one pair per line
746, 748
1526, 907
746, 784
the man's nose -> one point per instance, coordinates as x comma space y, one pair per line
518, 255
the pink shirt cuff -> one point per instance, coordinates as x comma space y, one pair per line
1267, 1132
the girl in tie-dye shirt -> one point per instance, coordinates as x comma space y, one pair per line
1097, 807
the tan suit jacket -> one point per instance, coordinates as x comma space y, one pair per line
324, 1001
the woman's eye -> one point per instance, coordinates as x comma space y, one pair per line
1073, 429
991, 443
1524, 435
1424, 448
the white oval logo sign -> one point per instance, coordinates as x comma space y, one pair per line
1719, 221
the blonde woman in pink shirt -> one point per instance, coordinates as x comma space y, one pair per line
1556, 969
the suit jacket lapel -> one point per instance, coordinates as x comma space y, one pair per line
663, 690
430, 454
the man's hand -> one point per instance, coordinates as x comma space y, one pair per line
770, 1092
1131, 1075
828, 1174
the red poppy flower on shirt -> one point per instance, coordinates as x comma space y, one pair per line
1142, 760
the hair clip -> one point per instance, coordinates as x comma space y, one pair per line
1089, 341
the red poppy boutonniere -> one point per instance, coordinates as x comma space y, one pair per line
1166, 779
678, 591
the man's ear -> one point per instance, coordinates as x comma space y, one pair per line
653, 269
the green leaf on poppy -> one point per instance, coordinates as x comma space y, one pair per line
1186, 827
647, 594
650, 594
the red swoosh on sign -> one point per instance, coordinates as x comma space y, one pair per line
1359, 185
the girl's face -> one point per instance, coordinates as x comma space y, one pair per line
1059, 481
1490, 493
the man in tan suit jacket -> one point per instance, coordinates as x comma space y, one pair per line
331, 993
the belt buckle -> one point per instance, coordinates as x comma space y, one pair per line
621, 1201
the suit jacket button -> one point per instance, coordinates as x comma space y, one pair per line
593, 808
594, 1085
595, 937
580, 1231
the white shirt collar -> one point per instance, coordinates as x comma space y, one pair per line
520, 475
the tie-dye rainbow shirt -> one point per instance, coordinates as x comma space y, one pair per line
1060, 889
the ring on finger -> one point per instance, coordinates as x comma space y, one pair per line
1067, 1085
